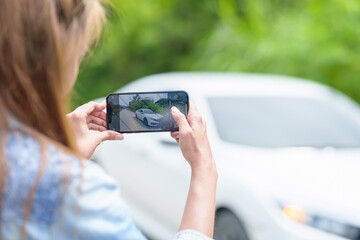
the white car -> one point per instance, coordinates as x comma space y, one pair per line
148, 117
287, 152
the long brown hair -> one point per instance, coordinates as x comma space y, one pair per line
37, 40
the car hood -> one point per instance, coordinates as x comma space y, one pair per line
324, 181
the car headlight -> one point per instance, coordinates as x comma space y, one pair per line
326, 224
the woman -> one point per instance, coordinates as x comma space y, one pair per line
49, 190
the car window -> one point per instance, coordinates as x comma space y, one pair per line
148, 111
272, 122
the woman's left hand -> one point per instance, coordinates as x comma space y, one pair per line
85, 118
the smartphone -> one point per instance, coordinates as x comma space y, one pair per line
135, 112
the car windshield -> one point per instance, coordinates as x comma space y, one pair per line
148, 111
272, 122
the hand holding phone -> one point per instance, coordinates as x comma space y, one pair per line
144, 111
199, 212
83, 121
192, 137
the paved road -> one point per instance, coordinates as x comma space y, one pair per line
128, 122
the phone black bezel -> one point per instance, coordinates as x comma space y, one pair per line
151, 92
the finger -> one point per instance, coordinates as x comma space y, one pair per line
96, 127
110, 135
99, 114
92, 106
193, 116
180, 119
96, 120
174, 135
192, 108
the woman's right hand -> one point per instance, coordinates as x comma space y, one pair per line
199, 212
192, 138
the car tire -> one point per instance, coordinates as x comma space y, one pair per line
146, 122
228, 226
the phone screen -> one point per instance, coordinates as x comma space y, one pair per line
144, 111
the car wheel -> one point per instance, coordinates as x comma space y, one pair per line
146, 122
228, 226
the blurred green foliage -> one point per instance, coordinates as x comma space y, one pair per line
138, 103
313, 39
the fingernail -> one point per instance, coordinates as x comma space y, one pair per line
175, 109
119, 137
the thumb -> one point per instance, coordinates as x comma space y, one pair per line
110, 135
179, 118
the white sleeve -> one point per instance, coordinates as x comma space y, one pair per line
189, 234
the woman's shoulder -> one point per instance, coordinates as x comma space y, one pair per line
24, 150
31, 154
47, 170
52, 163
34, 171
71, 193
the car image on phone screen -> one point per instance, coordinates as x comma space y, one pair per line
144, 111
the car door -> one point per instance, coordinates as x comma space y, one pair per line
167, 178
